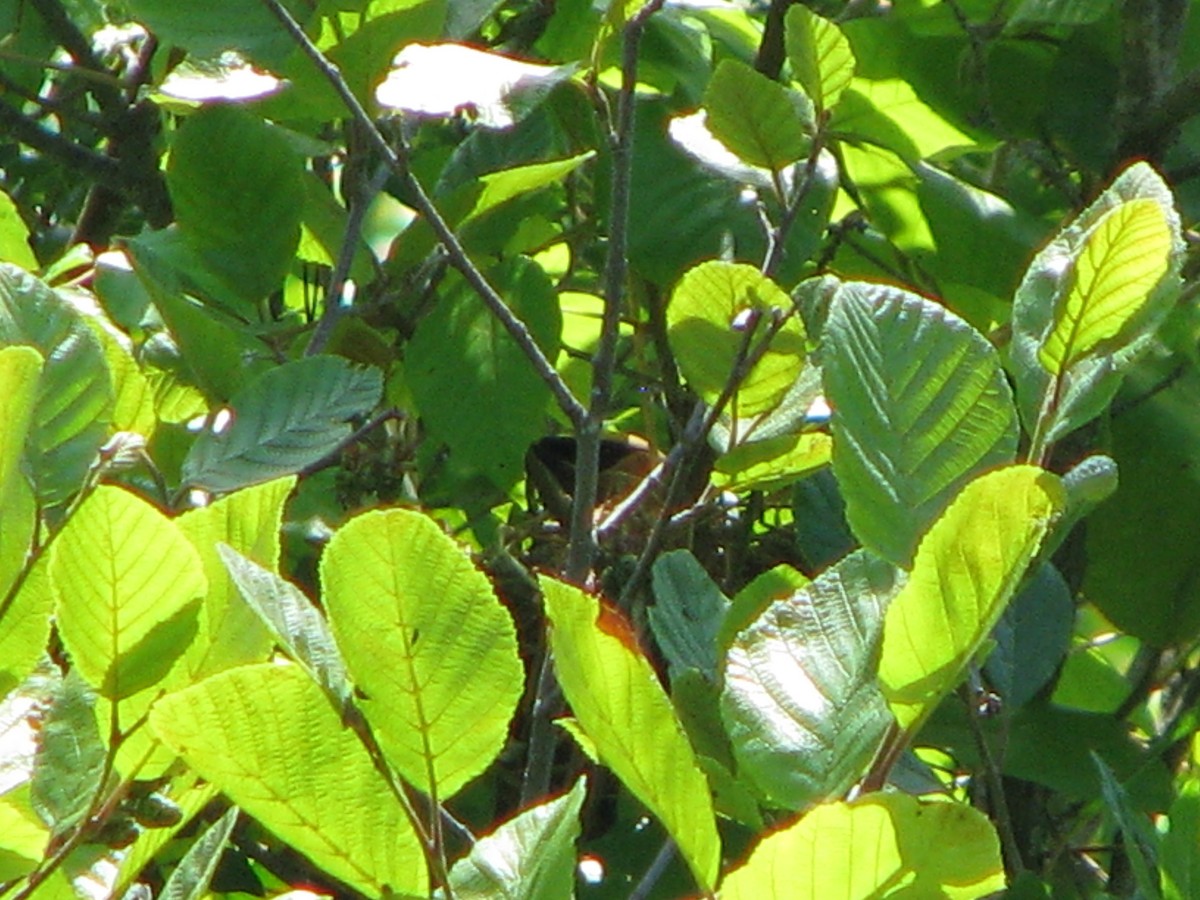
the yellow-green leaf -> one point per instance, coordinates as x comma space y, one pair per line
268, 738
879, 845
500, 187
248, 520
820, 54
126, 583
966, 569
20, 370
1121, 261
426, 639
621, 707
704, 322
759, 120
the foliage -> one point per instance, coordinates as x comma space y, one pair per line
475, 449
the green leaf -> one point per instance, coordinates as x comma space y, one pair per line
1126, 254
125, 614
920, 404
20, 372
473, 385
248, 521
529, 857
14, 236
687, 613
192, 875
398, 589
800, 701
759, 120
25, 625
821, 57
237, 188
752, 601
1033, 14
622, 710
879, 845
703, 321
1141, 840
967, 568
889, 112
772, 463
208, 30
74, 396
500, 187
1054, 404
1177, 853
70, 756
286, 419
295, 623
266, 735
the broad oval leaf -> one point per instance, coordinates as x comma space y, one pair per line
622, 710
821, 57
237, 188
876, 846
426, 639
474, 386
920, 404
290, 417
687, 613
268, 738
20, 372
125, 612
529, 857
800, 702
758, 119
75, 393
967, 568
704, 320
1124, 257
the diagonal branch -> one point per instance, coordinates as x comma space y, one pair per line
397, 160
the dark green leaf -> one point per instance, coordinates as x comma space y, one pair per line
1031, 637
291, 417
193, 874
687, 613
474, 386
209, 28
1141, 841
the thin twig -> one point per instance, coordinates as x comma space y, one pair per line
657, 867
396, 158
777, 236
997, 800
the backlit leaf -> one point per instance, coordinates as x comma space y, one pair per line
622, 710
266, 735
920, 404
879, 845
966, 569
125, 615
821, 58
758, 119
800, 702
399, 590
703, 321
20, 372
1123, 258
288, 418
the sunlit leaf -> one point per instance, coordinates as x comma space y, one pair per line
821, 58
966, 569
398, 589
889, 112
920, 404
1125, 256
800, 702
500, 187
529, 857
20, 372
772, 463
266, 735
291, 417
622, 710
760, 120
879, 845
14, 235
705, 320
125, 615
